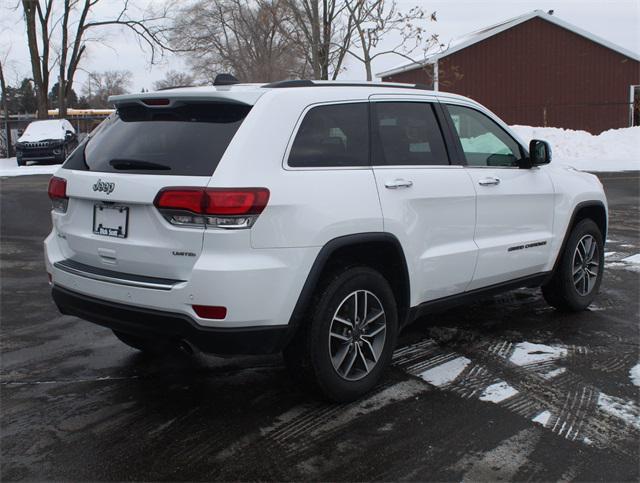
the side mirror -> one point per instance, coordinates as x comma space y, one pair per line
539, 152
69, 135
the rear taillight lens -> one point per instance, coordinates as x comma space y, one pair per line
58, 194
230, 208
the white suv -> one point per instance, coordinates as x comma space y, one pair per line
312, 218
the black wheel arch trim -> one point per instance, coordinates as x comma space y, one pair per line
572, 220
323, 258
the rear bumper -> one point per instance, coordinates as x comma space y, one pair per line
156, 323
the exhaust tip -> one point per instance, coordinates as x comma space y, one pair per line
185, 347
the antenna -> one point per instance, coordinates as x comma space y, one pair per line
225, 80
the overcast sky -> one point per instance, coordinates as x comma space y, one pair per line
615, 20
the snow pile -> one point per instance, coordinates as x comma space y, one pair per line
613, 150
485, 143
9, 167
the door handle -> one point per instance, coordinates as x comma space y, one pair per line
398, 183
490, 181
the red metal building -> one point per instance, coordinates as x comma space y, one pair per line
536, 70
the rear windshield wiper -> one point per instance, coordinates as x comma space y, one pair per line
126, 164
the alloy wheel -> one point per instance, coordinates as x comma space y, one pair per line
357, 335
586, 265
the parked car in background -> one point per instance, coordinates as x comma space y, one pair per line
312, 218
46, 142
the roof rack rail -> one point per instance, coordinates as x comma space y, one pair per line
310, 83
290, 83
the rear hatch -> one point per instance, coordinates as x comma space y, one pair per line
114, 176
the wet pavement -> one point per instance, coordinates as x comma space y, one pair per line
507, 388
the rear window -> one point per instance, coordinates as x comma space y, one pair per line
187, 140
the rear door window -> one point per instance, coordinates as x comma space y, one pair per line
408, 134
334, 135
188, 139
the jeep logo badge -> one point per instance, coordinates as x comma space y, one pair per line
107, 188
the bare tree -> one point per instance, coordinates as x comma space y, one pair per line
373, 20
174, 79
64, 27
323, 31
5, 109
249, 38
100, 85
37, 17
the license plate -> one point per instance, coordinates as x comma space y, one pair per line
111, 220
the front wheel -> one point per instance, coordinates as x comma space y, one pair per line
347, 343
577, 279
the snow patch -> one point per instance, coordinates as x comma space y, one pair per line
554, 373
635, 259
542, 418
608, 254
9, 167
625, 410
613, 150
526, 353
445, 373
634, 374
634, 267
498, 392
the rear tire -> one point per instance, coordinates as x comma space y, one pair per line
143, 344
578, 276
336, 352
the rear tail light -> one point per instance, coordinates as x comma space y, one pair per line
210, 311
230, 208
58, 194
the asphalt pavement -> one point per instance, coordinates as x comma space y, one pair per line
504, 389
